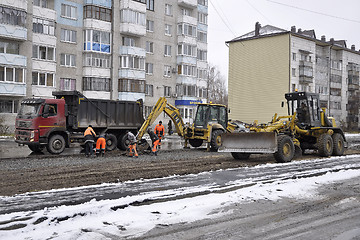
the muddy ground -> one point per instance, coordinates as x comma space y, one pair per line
42, 172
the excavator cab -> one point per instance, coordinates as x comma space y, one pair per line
307, 108
210, 113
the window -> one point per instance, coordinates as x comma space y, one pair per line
202, 18
150, 5
96, 12
43, 52
12, 74
67, 84
131, 85
294, 56
132, 62
98, 41
9, 47
168, 29
305, 71
68, 60
96, 60
68, 35
202, 55
149, 90
167, 91
187, 70
293, 72
167, 71
130, 16
149, 25
96, 84
68, 11
202, 36
186, 12
202, 73
43, 26
168, 9
187, 30
12, 16
148, 110
187, 90
9, 106
149, 68
43, 79
167, 50
149, 47
41, 3
203, 2
128, 41
186, 49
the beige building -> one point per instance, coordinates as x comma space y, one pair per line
268, 62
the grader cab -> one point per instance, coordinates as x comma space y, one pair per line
305, 127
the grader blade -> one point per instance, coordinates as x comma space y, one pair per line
249, 142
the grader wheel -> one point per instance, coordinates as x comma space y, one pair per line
325, 145
338, 140
286, 149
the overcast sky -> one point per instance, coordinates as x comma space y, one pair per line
232, 18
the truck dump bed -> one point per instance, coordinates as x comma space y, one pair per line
101, 113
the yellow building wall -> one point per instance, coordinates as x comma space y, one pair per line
259, 76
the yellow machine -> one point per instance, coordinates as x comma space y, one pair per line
211, 120
306, 127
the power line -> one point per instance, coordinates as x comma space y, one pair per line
258, 10
320, 13
222, 19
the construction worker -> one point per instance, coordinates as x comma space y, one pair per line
89, 136
159, 131
170, 127
155, 141
100, 145
132, 147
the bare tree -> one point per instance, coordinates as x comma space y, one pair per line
217, 90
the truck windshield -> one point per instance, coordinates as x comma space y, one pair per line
29, 110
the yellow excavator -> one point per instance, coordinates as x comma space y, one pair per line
211, 120
305, 127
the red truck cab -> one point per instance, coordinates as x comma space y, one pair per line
38, 120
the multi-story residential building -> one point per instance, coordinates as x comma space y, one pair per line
268, 62
124, 49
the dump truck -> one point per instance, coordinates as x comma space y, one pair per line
211, 120
305, 127
55, 123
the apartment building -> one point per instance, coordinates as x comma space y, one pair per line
268, 62
124, 49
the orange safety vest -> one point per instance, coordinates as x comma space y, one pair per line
88, 131
159, 130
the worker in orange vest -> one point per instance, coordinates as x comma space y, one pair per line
89, 136
101, 145
155, 141
132, 146
159, 131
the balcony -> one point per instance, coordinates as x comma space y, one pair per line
305, 64
19, 4
187, 3
44, 13
133, 29
13, 32
131, 73
305, 79
12, 59
187, 19
352, 86
127, 50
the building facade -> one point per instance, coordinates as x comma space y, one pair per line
124, 49
268, 62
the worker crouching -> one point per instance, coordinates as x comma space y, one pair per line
89, 136
155, 141
132, 146
101, 145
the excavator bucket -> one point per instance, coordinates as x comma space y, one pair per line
249, 142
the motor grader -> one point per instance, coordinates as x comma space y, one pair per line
211, 120
305, 127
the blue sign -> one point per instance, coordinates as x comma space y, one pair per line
187, 102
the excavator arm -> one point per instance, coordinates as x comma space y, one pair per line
163, 106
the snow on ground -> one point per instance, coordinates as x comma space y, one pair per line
98, 220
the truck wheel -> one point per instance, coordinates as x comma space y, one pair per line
286, 149
338, 140
111, 142
195, 142
216, 140
56, 144
325, 145
36, 148
240, 156
123, 143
